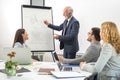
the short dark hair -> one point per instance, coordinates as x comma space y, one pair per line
96, 33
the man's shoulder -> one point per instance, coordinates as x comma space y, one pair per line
94, 47
74, 20
96, 44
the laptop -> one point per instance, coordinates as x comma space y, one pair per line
23, 55
61, 67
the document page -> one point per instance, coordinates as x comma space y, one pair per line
67, 74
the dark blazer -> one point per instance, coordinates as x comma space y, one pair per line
68, 41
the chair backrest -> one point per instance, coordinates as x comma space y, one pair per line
93, 76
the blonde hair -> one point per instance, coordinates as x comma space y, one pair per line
110, 34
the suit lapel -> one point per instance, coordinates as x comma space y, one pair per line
69, 24
66, 27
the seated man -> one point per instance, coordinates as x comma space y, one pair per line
93, 51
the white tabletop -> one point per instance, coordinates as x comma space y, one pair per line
34, 75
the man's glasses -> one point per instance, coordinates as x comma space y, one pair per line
89, 33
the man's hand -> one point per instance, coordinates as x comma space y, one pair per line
56, 36
82, 64
46, 22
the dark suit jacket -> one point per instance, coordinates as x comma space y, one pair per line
69, 41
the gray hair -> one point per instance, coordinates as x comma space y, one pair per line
70, 9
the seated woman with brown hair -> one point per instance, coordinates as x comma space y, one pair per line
19, 41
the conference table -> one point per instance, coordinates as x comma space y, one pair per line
34, 74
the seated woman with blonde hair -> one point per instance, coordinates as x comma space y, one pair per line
108, 64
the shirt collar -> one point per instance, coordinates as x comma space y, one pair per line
69, 19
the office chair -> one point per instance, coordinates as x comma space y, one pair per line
93, 76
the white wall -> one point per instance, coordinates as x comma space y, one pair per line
37, 2
10, 20
90, 13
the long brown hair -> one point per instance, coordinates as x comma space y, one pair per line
18, 36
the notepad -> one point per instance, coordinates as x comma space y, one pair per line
66, 74
45, 71
18, 71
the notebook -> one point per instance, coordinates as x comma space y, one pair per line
67, 74
23, 55
45, 71
18, 71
